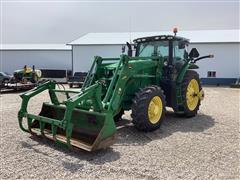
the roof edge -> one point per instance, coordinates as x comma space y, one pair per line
195, 36
35, 47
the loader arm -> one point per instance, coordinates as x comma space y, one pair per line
125, 69
130, 70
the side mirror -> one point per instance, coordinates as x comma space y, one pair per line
123, 48
193, 53
181, 45
129, 49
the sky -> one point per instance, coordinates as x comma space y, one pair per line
32, 21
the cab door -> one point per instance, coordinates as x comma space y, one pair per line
172, 67
179, 55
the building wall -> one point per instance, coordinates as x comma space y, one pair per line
42, 59
83, 56
226, 61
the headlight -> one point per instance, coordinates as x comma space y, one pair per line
165, 63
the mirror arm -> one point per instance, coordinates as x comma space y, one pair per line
203, 57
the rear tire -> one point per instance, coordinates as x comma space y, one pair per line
148, 109
191, 85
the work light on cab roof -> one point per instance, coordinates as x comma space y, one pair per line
175, 30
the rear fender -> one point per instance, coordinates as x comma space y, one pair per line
182, 73
193, 66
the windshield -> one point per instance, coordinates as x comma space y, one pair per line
154, 48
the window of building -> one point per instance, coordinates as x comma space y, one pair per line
211, 74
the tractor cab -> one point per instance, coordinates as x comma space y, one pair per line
167, 46
171, 49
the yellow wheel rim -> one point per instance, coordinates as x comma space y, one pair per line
155, 109
192, 94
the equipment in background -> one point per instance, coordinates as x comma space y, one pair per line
27, 74
161, 74
58, 75
4, 79
77, 79
24, 79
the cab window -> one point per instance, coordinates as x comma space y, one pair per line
163, 49
179, 50
154, 48
146, 49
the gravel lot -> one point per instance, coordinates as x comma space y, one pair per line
203, 147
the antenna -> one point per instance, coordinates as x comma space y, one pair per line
130, 30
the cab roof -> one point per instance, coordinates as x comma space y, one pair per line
159, 38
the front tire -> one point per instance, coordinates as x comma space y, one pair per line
148, 109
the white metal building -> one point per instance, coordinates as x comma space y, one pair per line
224, 44
43, 56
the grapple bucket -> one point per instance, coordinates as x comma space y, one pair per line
67, 123
86, 130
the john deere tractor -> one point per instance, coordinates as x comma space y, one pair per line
161, 74
25, 75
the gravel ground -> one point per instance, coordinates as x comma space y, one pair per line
203, 147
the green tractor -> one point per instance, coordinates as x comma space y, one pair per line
161, 74
25, 75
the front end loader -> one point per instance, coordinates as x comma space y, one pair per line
158, 76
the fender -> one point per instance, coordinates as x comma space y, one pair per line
184, 69
182, 73
193, 66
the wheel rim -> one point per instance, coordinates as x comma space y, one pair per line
192, 94
155, 108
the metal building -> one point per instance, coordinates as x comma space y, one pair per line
224, 44
43, 56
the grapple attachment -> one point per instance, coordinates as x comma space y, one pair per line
66, 122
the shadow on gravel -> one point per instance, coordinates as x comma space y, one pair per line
128, 135
72, 167
97, 157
